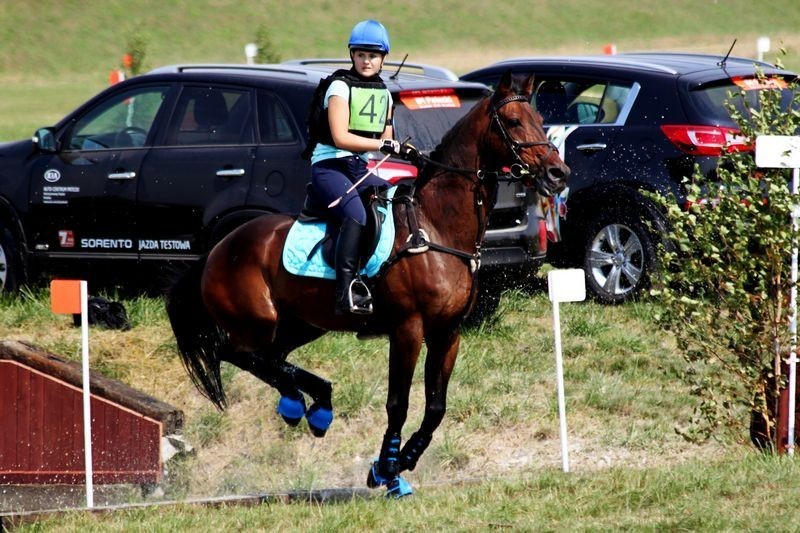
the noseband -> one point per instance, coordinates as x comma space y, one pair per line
519, 169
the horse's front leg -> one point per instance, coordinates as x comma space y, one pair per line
405, 344
439, 363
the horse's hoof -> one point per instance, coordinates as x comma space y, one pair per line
374, 479
319, 420
292, 410
398, 488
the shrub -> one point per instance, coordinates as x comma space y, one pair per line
725, 285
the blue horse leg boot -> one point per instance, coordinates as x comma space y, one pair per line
412, 450
387, 467
292, 409
398, 487
319, 419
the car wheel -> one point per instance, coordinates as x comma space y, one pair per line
11, 271
618, 259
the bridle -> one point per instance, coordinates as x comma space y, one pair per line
520, 169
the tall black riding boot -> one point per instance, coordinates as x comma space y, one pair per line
352, 295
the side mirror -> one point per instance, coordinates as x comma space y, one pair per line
45, 140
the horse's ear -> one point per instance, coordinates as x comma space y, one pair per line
506, 81
527, 86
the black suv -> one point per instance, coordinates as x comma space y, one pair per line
159, 167
625, 124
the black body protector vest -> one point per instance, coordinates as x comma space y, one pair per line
369, 109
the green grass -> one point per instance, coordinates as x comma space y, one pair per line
500, 437
730, 494
58, 54
494, 462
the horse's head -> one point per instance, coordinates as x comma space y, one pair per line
518, 139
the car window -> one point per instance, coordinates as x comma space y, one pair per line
575, 101
123, 121
211, 116
425, 116
273, 121
712, 99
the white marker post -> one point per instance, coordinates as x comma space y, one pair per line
70, 297
783, 151
568, 285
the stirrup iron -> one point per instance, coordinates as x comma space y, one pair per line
359, 298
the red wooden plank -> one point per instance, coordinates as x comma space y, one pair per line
8, 436
23, 408
125, 441
37, 421
49, 427
99, 415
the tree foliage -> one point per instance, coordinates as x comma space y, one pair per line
725, 285
135, 52
266, 49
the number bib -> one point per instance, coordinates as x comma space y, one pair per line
369, 107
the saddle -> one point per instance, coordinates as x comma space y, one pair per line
310, 246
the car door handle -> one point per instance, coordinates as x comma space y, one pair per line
230, 172
592, 147
122, 175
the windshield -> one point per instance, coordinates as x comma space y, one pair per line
710, 99
425, 117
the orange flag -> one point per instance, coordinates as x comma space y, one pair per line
65, 296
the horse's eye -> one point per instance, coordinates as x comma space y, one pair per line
514, 123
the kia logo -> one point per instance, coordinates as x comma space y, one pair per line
52, 175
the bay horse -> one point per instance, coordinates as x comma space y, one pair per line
241, 306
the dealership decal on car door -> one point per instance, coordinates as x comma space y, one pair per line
66, 239
164, 244
53, 194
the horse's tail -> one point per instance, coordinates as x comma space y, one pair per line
200, 339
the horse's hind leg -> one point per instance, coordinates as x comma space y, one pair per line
320, 414
268, 364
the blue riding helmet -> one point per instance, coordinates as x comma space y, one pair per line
369, 35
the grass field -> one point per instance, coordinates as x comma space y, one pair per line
58, 54
495, 462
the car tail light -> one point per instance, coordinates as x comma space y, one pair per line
706, 140
393, 171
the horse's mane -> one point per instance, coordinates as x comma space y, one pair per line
449, 138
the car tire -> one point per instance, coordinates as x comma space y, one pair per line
12, 273
618, 259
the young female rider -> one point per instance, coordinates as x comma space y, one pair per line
358, 118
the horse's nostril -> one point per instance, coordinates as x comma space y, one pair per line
557, 173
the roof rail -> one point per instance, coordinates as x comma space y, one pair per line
222, 66
431, 71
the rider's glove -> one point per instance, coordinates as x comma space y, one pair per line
409, 152
390, 146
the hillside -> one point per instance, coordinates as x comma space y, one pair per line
57, 55
89, 36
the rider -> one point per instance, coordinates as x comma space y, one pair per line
357, 115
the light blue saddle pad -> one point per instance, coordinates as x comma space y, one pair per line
303, 236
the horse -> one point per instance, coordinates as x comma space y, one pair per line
239, 304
